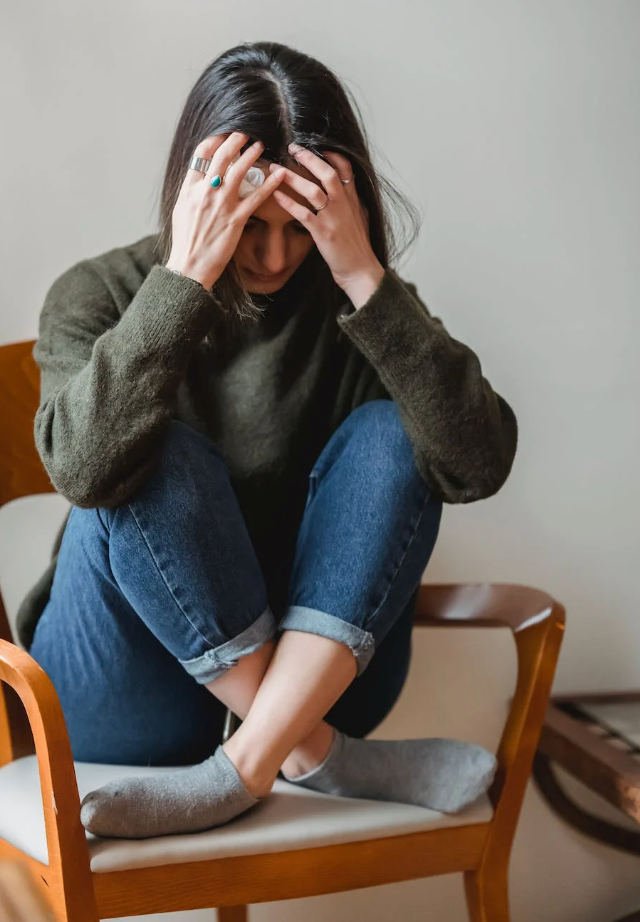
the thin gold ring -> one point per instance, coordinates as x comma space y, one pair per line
344, 183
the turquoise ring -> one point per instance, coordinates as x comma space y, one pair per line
216, 181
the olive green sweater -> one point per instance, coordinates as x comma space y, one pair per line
125, 345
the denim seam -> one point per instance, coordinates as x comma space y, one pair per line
406, 551
162, 577
207, 655
361, 648
363, 643
213, 653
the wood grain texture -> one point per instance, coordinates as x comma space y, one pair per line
292, 874
21, 470
71, 891
233, 914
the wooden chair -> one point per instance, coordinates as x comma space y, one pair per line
295, 843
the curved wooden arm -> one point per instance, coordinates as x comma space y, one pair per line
66, 838
537, 622
485, 605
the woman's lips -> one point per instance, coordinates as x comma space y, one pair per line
265, 278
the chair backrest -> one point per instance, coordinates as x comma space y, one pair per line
21, 470
21, 474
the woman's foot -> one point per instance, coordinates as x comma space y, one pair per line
190, 800
441, 774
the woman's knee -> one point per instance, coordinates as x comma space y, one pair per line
189, 475
374, 434
187, 457
378, 420
189, 472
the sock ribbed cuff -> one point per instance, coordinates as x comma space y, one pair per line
335, 747
232, 772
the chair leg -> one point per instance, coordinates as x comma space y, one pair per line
487, 893
233, 914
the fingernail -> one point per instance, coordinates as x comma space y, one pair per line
295, 147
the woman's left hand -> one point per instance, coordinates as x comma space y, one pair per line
341, 229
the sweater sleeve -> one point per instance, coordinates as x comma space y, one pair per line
463, 433
108, 383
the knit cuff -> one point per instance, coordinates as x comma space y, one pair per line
168, 313
388, 324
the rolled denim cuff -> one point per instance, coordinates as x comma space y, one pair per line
361, 643
214, 663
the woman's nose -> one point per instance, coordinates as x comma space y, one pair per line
273, 254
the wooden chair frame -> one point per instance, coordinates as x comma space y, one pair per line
480, 851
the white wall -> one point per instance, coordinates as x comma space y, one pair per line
515, 126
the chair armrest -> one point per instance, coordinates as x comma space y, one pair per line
537, 622
485, 605
66, 838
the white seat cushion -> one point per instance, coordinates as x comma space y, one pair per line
289, 818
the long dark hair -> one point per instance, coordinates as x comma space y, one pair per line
278, 95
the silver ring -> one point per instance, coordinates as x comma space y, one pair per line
345, 181
200, 164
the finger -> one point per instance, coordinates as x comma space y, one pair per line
223, 157
252, 201
341, 164
306, 217
206, 149
237, 170
309, 190
324, 171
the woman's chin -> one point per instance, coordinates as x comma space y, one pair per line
256, 285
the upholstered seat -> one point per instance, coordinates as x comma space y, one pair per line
289, 818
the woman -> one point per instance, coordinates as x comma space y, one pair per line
256, 422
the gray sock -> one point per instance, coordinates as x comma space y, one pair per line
189, 800
444, 775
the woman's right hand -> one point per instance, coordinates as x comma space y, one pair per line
207, 222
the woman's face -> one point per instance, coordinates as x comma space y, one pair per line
273, 242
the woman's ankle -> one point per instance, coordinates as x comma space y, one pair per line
308, 754
257, 777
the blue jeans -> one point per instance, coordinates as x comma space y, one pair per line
155, 597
